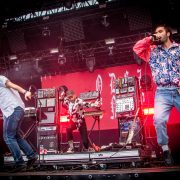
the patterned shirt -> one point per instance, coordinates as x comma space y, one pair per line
76, 109
164, 63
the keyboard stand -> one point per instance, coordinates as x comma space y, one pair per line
29, 131
96, 119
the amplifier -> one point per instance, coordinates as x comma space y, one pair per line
124, 130
48, 144
48, 118
47, 104
47, 139
47, 130
46, 93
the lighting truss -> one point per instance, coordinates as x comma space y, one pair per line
55, 9
77, 54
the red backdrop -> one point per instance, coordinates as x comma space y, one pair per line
103, 79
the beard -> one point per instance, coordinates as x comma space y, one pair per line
158, 42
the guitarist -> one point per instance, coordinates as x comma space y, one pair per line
76, 107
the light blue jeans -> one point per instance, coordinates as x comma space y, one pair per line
12, 138
165, 100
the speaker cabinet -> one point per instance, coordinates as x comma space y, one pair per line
47, 139
127, 127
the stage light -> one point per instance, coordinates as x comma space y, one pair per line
61, 59
13, 57
64, 118
46, 32
109, 41
148, 111
110, 50
17, 65
90, 63
104, 22
54, 50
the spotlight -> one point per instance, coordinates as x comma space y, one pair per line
61, 59
17, 65
104, 22
109, 41
46, 32
54, 50
90, 63
12, 57
110, 50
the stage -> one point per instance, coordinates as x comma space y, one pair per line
121, 174
123, 164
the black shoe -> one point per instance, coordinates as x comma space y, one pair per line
30, 162
168, 158
19, 168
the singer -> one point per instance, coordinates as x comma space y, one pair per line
163, 55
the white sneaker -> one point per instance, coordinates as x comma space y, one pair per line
70, 150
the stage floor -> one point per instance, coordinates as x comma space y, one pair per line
122, 164
122, 155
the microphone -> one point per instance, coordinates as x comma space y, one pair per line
33, 90
154, 38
